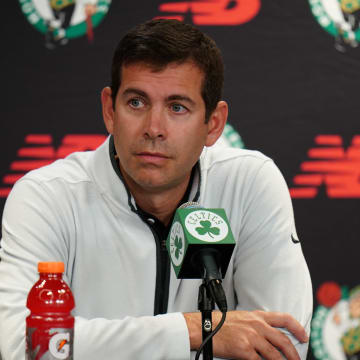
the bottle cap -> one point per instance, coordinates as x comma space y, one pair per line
51, 267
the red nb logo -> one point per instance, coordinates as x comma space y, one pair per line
212, 12
331, 166
40, 152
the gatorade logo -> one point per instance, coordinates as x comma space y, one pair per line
206, 226
59, 346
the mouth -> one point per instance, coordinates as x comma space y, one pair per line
155, 154
152, 157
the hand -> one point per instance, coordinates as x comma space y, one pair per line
248, 335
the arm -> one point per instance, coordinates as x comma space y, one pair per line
270, 272
270, 278
34, 229
246, 334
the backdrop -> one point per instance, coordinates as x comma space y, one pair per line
292, 82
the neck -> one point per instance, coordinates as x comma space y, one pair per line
161, 204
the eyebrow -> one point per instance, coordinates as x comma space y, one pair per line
179, 97
130, 91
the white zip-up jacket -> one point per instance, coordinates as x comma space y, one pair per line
77, 210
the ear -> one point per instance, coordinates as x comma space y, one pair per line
217, 123
107, 109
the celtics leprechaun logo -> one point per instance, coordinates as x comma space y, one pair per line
341, 19
61, 20
335, 328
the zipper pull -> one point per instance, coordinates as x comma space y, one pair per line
163, 245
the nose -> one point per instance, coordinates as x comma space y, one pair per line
155, 124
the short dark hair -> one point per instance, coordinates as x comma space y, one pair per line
161, 42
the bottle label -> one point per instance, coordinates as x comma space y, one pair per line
49, 344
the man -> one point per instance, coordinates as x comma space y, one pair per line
105, 214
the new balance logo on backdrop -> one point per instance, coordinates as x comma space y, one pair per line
212, 12
332, 166
39, 151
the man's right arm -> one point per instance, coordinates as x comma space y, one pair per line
270, 274
34, 229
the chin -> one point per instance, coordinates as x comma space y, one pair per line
149, 182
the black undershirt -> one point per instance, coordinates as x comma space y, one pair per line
161, 232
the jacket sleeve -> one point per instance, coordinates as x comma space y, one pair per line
270, 272
34, 230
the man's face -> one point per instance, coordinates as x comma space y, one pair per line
158, 124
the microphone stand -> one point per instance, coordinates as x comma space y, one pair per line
206, 305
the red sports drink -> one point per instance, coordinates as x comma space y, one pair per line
50, 325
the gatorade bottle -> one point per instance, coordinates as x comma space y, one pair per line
50, 325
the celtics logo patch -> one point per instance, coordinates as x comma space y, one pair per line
341, 19
61, 20
177, 244
206, 226
335, 328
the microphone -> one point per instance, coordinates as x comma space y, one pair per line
200, 244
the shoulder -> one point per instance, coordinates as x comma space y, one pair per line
247, 173
72, 169
232, 159
52, 189
65, 179
62, 177
47, 188
78, 167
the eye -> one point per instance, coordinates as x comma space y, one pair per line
178, 108
136, 103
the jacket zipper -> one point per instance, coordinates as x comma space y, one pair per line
162, 269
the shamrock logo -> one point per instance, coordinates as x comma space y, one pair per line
206, 228
178, 246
